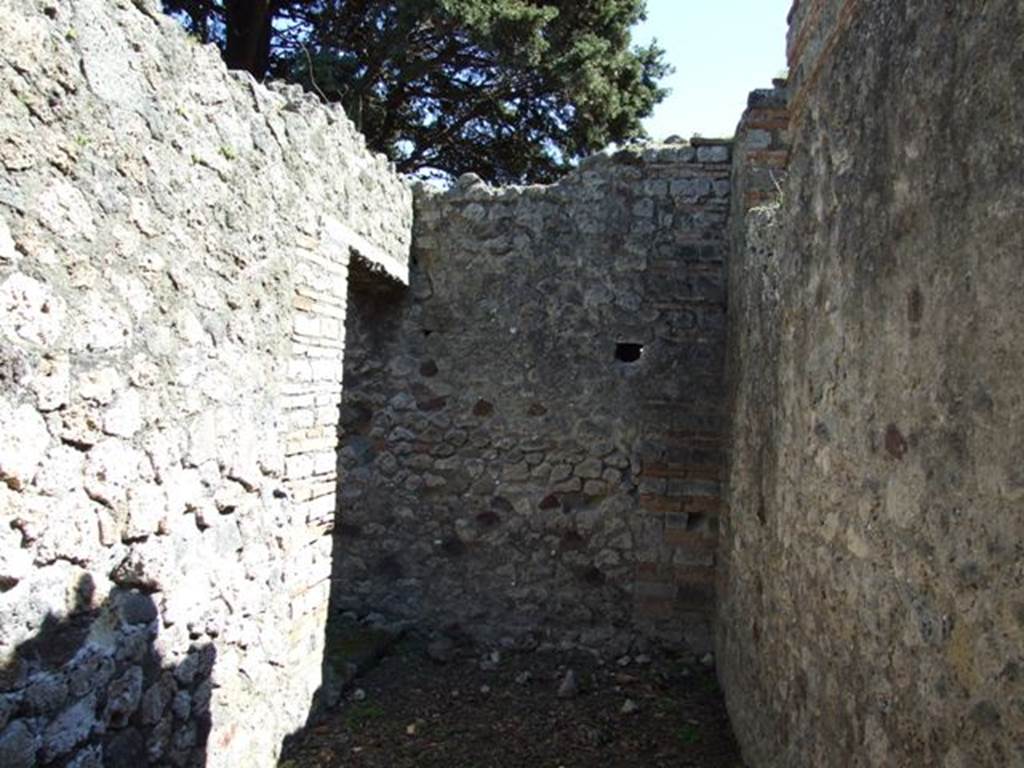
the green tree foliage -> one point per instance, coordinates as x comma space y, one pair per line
513, 90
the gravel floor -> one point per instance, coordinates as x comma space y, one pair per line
512, 710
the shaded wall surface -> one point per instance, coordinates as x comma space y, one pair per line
531, 442
174, 245
871, 588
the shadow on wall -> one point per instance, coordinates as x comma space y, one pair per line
352, 646
90, 690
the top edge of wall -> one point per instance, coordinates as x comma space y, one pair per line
815, 29
378, 220
697, 154
792, 11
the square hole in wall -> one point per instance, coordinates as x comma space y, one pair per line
628, 352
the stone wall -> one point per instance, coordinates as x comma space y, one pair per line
532, 442
174, 245
872, 584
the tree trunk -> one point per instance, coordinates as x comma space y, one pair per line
249, 29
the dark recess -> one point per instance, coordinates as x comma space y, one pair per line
628, 352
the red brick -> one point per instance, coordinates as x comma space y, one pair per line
682, 471
755, 198
653, 608
695, 575
646, 571
691, 541
660, 504
773, 158
702, 505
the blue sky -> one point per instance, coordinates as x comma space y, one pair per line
722, 50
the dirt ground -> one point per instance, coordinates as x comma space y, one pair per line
503, 710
